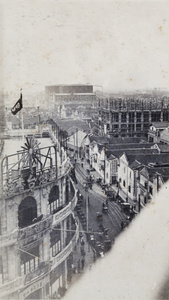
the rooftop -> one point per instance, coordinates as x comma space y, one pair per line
163, 172
156, 160
132, 152
160, 125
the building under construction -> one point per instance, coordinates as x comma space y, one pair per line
131, 117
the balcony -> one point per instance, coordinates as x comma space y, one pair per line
35, 231
11, 286
43, 268
57, 260
8, 239
65, 212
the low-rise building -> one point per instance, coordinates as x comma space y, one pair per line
155, 131
140, 176
149, 183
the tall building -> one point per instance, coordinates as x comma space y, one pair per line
68, 95
38, 231
130, 117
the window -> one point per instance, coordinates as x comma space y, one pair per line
32, 264
151, 190
55, 241
27, 267
22, 269
54, 199
123, 117
56, 248
1, 270
29, 261
129, 189
124, 183
27, 211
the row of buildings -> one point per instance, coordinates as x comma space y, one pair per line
108, 115
131, 167
133, 131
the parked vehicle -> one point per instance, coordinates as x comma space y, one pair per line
98, 180
99, 216
104, 208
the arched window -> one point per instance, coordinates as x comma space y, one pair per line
54, 199
27, 211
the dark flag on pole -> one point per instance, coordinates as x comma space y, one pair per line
18, 106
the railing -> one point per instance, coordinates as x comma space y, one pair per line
35, 231
42, 269
18, 175
8, 239
65, 212
11, 287
66, 251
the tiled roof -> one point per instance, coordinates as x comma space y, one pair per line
146, 159
127, 140
163, 147
98, 139
132, 152
135, 164
164, 172
129, 146
160, 125
67, 124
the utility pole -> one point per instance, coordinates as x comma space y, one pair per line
87, 220
104, 163
77, 143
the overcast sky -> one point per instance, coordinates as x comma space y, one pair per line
115, 44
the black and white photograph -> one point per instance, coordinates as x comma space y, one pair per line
84, 150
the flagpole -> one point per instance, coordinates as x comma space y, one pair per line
22, 119
22, 126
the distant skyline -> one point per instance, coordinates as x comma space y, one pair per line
120, 45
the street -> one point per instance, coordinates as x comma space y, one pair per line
101, 226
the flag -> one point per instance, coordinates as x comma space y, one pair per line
18, 106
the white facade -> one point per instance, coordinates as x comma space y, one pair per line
126, 179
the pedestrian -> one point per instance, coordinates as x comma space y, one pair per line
82, 262
73, 268
78, 266
82, 243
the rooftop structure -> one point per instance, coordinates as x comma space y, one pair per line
38, 228
131, 117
